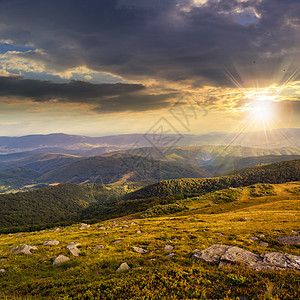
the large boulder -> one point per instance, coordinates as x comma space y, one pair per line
26, 249
58, 260
226, 255
292, 239
73, 248
51, 243
123, 267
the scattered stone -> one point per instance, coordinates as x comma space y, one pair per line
57, 230
14, 248
71, 230
152, 259
253, 238
126, 226
220, 234
247, 219
123, 267
133, 223
263, 244
51, 243
102, 228
168, 248
3, 259
117, 242
171, 255
84, 226
139, 250
138, 232
2, 271
292, 239
59, 260
261, 236
73, 249
226, 255
138, 268
295, 232
26, 249
99, 247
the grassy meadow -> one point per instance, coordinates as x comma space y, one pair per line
227, 217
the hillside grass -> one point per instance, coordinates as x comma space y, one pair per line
209, 219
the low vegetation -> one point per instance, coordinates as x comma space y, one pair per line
228, 217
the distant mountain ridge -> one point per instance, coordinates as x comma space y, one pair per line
82, 145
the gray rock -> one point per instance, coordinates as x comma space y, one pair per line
51, 243
168, 248
102, 228
3, 259
171, 255
123, 267
133, 223
139, 250
247, 219
292, 239
57, 230
220, 234
138, 232
211, 254
84, 226
295, 232
253, 238
263, 244
26, 249
261, 236
14, 248
225, 255
99, 247
58, 260
2, 271
117, 242
73, 249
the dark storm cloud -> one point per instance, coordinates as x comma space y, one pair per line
167, 39
104, 98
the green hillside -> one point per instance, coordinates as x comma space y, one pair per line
114, 168
237, 218
272, 173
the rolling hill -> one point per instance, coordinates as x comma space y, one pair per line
271, 173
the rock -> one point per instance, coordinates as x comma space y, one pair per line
26, 249
102, 228
295, 232
73, 249
99, 247
84, 226
117, 242
261, 236
171, 255
226, 255
3, 259
220, 234
123, 267
133, 223
2, 271
247, 219
51, 243
139, 250
292, 239
138, 232
263, 244
253, 238
59, 260
71, 230
126, 226
212, 254
14, 248
168, 248
57, 230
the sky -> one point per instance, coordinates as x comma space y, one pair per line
103, 67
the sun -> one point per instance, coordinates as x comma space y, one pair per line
262, 111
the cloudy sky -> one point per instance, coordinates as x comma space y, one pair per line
99, 67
